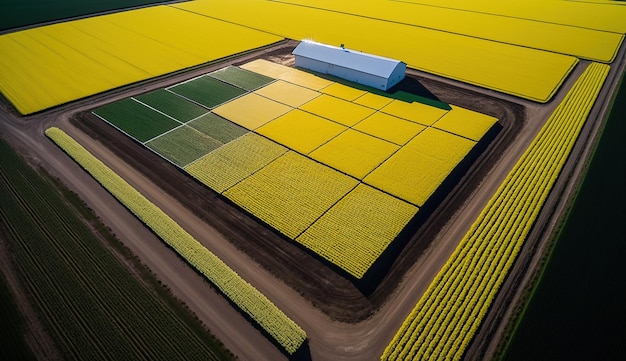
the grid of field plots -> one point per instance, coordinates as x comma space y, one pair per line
337, 169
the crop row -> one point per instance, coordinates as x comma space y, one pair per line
446, 317
286, 332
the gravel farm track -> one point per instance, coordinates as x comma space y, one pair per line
341, 323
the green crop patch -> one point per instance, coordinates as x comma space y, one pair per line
217, 127
172, 105
135, 119
183, 145
207, 91
241, 78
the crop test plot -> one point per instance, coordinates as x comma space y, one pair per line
172, 105
183, 145
135, 119
466, 123
372, 100
291, 193
354, 153
217, 127
301, 131
241, 78
389, 128
251, 110
288, 74
207, 91
338, 110
356, 230
288, 93
414, 111
343, 91
235, 161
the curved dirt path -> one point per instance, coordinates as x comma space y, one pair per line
328, 339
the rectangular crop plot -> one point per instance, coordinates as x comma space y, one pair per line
343, 91
389, 128
354, 153
466, 123
278, 71
235, 161
290, 193
288, 93
444, 146
241, 78
207, 91
183, 145
171, 104
135, 119
217, 127
338, 110
372, 100
356, 230
301, 131
251, 110
414, 111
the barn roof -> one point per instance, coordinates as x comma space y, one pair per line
363, 62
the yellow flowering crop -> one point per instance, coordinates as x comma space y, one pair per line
414, 111
390, 128
301, 131
355, 231
354, 153
290, 193
286, 73
517, 70
234, 161
343, 91
338, 110
251, 110
288, 93
466, 123
51, 65
441, 145
372, 100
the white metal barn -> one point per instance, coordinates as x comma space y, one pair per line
371, 70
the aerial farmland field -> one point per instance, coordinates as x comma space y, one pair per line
296, 214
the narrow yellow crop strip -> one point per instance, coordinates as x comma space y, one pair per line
449, 313
284, 331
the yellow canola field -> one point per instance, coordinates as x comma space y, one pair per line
466, 123
524, 72
416, 171
586, 43
287, 93
582, 14
251, 110
288, 74
343, 91
235, 161
356, 231
414, 111
290, 193
354, 153
338, 110
51, 65
372, 100
301, 131
390, 128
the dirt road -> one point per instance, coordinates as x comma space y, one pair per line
328, 339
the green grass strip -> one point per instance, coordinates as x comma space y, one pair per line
284, 331
445, 319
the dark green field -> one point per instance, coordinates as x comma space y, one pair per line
136, 120
89, 302
207, 91
241, 78
184, 145
17, 13
578, 310
172, 105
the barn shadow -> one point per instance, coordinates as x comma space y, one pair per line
408, 90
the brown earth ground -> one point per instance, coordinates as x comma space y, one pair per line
344, 324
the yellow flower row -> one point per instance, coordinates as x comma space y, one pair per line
286, 332
449, 313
